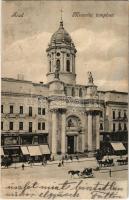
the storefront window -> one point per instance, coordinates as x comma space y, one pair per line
27, 140
10, 140
35, 140
43, 139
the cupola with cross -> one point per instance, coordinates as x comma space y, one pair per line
61, 53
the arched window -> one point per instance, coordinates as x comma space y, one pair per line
58, 64
80, 92
73, 92
68, 66
50, 66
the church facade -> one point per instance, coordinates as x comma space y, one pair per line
66, 116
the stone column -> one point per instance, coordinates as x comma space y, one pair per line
83, 142
62, 61
97, 132
54, 132
65, 62
63, 126
89, 131
77, 143
52, 65
73, 63
54, 62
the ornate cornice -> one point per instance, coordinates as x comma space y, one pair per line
16, 94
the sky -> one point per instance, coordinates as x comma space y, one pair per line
101, 42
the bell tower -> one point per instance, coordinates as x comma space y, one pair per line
61, 53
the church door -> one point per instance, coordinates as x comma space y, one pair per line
70, 146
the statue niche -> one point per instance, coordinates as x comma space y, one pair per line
73, 122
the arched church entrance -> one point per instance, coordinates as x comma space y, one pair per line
73, 130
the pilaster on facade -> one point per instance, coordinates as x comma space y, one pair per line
54, 131
63, 131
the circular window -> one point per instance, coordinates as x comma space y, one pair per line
58, 54
68, 55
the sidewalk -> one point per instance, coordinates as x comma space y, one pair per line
56, 162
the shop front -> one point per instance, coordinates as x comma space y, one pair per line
35, 153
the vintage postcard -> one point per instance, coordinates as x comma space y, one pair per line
64, 99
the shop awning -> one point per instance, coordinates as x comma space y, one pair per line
44, 149
118, 146
25, 150
34, 151
1, 151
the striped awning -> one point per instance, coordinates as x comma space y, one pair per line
25, 150
118, 146
44, 149
34, 151
1, 151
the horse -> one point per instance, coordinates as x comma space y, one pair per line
74, 172
102, 163
109, 162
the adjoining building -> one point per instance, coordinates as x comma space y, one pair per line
60, 116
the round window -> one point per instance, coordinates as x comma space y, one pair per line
58, 54
68, 55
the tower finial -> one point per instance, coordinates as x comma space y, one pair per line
61, 11
61, 20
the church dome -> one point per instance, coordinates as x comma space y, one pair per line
61, 36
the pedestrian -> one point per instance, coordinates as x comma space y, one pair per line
77, 158
71, 158
62, 162
59, 165
23, 166
110, 173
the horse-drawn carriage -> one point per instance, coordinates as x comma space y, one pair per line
106, 163
123, 161
86, 173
